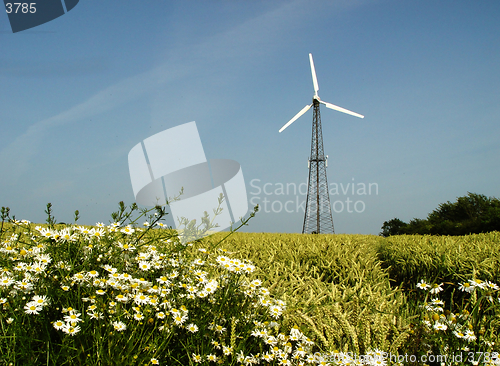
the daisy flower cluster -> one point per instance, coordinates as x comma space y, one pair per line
464, 328
279, 349
70, 323
114, 281
475, 284
36, 305
295, 348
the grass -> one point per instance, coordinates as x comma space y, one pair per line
134, 294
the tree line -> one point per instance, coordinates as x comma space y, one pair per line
471, 214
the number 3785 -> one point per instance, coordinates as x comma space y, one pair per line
20, 8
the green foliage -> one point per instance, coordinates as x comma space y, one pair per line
471, 214
393, 227
108, 295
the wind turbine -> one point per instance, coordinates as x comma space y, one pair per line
318, 216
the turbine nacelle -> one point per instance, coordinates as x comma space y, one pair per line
316, 97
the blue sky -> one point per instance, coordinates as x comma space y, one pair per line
77, 93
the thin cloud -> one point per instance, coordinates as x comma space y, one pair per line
240, 42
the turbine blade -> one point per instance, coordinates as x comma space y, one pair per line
313, 73
303, 110
343, 110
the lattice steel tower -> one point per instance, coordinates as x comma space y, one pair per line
318, 216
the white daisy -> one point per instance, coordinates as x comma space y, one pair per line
423, 285
119, 326
138, 316
275, 311
440, 326
41, 300
193, 328
70, 329
73, 317
467, 287
436, 288
32, 308
144, 266
59, 324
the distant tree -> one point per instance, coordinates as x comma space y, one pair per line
418, 226
491, 219
474, 213
470, 207
393, 227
